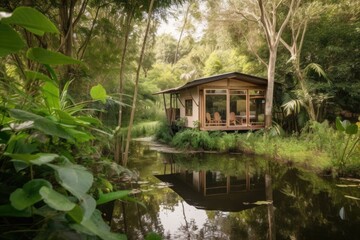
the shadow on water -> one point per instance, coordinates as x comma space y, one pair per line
215, 196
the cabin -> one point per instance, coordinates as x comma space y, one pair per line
231, 101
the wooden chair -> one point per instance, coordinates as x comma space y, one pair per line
232, 119
217, 118
209, 120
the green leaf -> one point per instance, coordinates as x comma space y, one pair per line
108, 197
36, 159
32, 20
9, 211
88, 204
27, 196
339, 125
33, 75
80, 136
76, 214
74, 178
43, 124
352, 129
97, 226
11, 43
98, 92
44, 56
51, 95
56, 200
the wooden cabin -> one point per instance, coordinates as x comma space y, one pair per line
230, 101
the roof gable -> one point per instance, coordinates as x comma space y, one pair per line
231, 75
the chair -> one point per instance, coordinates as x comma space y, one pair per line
217, 118
209, 120
232, 119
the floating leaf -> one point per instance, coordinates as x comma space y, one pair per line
56, 200
98, 92
31, 19
108, 197
44, 56
262, 202
27, 196
12, 43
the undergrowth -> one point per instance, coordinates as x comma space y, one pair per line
319, 146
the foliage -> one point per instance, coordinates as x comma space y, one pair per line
41, 174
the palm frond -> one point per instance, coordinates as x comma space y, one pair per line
318, 69
292, 106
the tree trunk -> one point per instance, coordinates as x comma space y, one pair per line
270, 88
118, 141
126, 153
182, 32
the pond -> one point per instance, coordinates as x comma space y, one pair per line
232, 196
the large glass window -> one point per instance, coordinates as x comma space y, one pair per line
215, 107
237, 107
257, 107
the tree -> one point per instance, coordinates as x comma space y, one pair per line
266, 14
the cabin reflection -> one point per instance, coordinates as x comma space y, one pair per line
214, 190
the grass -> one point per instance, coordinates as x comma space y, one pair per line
319, 147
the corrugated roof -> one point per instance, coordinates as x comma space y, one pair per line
232, 75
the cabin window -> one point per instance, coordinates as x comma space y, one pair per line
237, 107
257, 107
188, 107
215, 107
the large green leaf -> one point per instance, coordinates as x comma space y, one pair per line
98, 92
27, 196
9, 211
51, 95
43, 124
74, 178
56, 200
33, 75
11, 43
108, 197
88, 205
44, 56
31, 19
37, 159
98, 227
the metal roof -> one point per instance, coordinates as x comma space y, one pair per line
232, 75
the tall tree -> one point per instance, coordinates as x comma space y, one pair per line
128, 138
266, 13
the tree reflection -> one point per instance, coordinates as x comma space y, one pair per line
302, 205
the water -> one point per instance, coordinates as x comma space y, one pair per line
215, 196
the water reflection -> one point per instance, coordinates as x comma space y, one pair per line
215, 190
293, 204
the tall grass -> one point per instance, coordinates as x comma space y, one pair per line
318, 146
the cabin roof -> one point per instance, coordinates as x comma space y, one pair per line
232, 75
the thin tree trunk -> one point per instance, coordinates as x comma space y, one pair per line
182, 32
118, 141
131, 122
